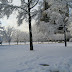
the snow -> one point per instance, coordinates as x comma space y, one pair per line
18, 58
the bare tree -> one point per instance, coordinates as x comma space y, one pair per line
25, 11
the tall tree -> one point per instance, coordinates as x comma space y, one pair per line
25, 11
54, 15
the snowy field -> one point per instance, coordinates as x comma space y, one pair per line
18, 58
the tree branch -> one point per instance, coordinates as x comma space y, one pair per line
22, 2
70, 5
34, 15
34, 4
30, 1
14, 7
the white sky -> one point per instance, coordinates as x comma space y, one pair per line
12, 21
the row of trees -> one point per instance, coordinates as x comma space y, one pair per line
11, 34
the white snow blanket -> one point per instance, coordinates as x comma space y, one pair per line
18, 58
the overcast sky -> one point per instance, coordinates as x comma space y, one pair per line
12, 21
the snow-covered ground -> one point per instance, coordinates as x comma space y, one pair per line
18, 58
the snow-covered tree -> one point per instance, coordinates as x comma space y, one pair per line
25, 11
9, 33
19, 36
37, 35
3, 35
53, 17
16, 35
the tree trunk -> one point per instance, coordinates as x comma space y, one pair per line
9, 43
17, 41
65, 36
30, 29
